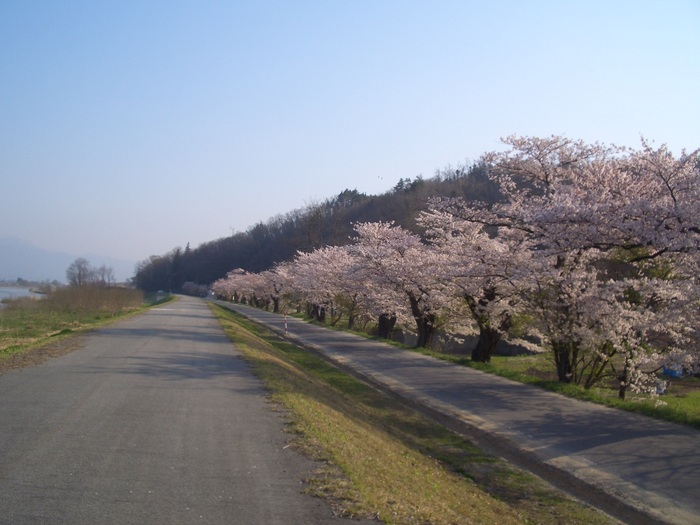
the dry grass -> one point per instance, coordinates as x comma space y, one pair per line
26, 321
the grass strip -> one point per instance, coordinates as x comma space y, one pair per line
385, 460
680, 404
32, 330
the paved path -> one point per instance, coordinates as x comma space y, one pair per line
156, 419
651, 466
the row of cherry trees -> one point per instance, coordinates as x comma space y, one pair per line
594, 247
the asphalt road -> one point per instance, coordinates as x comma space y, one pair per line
156, 419
636, 468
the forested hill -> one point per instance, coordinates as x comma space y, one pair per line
326, 223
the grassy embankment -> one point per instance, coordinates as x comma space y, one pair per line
382, 459
27, 323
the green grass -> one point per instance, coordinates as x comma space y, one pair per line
383, 459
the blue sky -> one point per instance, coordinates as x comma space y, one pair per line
129, 128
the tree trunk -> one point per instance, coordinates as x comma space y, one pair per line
352, 311
386, 325
599, 364
563, 359
318, 313
486, 345
426, 329
488, 336
425, 322
622, 390
624, 379
336, 318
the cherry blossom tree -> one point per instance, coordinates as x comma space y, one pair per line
239, 286
578, 206
600, 243
403, 276
330, 276
482, 269
271, 284
227, 288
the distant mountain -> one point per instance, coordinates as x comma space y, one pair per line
20, 259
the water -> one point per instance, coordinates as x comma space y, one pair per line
13, 292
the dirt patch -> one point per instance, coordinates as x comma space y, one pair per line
37, 355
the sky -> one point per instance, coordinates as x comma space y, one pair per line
128, 128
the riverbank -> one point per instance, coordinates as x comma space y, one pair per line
14, 292
10, 293
26, 323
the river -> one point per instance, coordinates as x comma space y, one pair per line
13, 292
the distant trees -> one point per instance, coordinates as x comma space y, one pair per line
327, 278
104, 275
318, 224
81, 273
